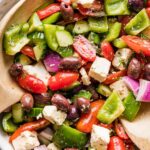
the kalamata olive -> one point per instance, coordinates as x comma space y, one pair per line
42, 99
134, 68
73, 113
60, 102
16, 69
70, 63
147, 71
83, 104
27, 101
136, 5
92, 90
67, 11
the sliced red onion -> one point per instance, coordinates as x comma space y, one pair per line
41, 147
52, 61
47, 134
132, 84
144, 91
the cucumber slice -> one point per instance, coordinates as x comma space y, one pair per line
17, 113
138, 23
64, 38
119, 43
67, 136
104, 90
98, 25
65, 51
81, 27
23, 59
94, 37
112, 109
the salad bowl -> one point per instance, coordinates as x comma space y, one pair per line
10, 92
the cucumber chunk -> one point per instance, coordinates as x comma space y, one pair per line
23, 59
64, 38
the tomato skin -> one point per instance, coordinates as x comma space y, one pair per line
31, 126
28, 51
87, 120
120, 131
107, 50
148, 3
137, 44
67, 2
107, 126
114, 77
62, 79
31, 83
84, 48
148, 11
116, 144
49, 10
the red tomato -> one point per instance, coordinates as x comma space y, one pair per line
49, 10
116, 144
28, 51
148, 11
107, 50
129, 146
120, 131
84, 48
148, 3
108, 126
115, 76
87, 120
31, 126
31, 83
138, 44
62, 79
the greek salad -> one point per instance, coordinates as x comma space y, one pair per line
83, 64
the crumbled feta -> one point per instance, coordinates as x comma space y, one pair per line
122, 57
84, 77
53, 115
100, 69
52, 146
121, 88
26, 141
100, 137
38, 71
85, 3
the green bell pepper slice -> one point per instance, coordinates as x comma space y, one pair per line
65, 51
67, 136
35, 112
113, 32
119, 43
52, 19
104, 90
15, 38
82, 93
94, 37
131, 107
138, 23
98, 25
7, 123
17, 113
116, 7
38, 39
35, 23
112, 109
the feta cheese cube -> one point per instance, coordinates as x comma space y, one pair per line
121, 88
100, 69
53, 115
85, 3
100, 137
52, 146
122, 57
84, 77
26, 141
38, 71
